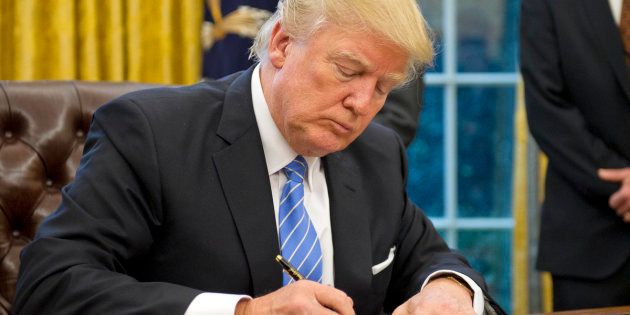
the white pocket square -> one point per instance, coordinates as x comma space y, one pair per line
381, 266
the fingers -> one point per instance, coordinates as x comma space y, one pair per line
335, 300
620, 200
302, 297
614, 175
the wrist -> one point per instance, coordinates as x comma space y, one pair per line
452, 278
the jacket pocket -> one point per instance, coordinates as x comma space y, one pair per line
382, 265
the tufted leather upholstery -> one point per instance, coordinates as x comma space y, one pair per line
42, 129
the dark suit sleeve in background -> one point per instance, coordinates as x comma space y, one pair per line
401, 111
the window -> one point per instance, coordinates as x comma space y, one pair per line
460, 162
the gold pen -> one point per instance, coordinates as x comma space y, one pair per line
289, 269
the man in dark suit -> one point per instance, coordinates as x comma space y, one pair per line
577, 90
185, 196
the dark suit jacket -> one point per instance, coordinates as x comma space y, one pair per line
401, 111
577, 90
172, 198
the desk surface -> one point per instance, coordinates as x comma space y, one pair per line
618, 310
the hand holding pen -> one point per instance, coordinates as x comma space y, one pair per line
298, 297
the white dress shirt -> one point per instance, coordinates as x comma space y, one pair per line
615, 7
278, 154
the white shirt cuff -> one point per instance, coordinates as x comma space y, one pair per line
478, 298
214, 304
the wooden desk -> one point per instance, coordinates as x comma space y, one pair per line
618, 310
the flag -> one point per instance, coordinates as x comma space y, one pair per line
228, 31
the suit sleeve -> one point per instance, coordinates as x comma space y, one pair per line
401, 111
559, 127
82, 255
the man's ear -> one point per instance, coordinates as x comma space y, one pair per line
278, 44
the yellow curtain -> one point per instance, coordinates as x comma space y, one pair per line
546, 283
520, 257
134, 40
520, 284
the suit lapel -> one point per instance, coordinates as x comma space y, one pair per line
243, 174
606, 33
349, 225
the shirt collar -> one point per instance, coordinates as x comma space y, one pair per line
278, 152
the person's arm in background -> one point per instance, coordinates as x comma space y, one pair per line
559, 127
401, 111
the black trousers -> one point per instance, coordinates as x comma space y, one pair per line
571, 293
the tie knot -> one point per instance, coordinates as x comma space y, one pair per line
296, 170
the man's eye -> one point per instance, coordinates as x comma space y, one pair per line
345, 72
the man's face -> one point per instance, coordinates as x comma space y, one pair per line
327, 89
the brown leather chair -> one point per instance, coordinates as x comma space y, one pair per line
42, 129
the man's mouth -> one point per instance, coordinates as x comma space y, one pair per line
341, 128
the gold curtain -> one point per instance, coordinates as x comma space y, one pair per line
520, 257
114, 40
546, 283
521, 277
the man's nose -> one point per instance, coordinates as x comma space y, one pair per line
360, 98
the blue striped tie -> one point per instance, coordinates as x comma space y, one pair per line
298, 239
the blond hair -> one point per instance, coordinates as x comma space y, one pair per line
399, 21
